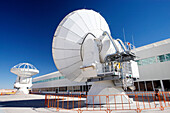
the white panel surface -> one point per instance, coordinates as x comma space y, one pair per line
80, 22
68, 38
66, 44
97, 18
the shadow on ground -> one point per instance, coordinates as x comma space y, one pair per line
38, 103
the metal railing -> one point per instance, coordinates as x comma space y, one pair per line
115, 102
7, 93
116, 68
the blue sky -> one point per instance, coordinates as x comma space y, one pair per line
27, 28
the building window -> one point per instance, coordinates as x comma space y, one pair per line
81, 88
69, 88
136, 86
50, 79
157, 84
64, 89
50, 89
150, 60
142, 86
166, 85
76, 88
139, 62
62, 77
161, 58
149, 86
85, 88
167, 56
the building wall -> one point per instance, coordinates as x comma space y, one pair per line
154, 49
155, 71
154, 62
55, 82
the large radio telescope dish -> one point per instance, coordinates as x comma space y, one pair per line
83, 50
69, 37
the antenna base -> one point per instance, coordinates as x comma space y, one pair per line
106, 88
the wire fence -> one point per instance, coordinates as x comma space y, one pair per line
109, 103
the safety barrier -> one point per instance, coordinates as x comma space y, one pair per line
115, 102
7, 93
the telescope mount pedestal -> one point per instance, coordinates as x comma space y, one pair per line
109, 93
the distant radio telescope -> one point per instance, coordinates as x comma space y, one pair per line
24, 72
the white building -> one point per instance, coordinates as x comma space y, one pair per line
154, 66
154, 70
56, 83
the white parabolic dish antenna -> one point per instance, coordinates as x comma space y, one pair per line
24, 70
69, 37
